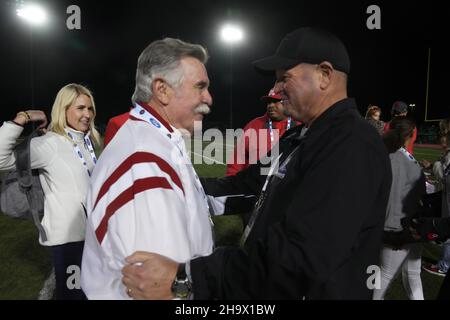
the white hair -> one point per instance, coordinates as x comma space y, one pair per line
161, 59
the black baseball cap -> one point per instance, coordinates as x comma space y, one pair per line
307, 45
399, 107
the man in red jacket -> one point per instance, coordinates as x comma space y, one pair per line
113, 126
260, 134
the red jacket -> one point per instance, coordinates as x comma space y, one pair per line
254, 141
410, 146
114, 125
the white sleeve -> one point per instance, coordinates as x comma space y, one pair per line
9, 133
217, 204
42, 152
152, 220
438, 170
440, 166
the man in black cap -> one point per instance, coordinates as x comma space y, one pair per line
316, 229
400, 109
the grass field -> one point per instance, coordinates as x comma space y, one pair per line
24, 264
428, 154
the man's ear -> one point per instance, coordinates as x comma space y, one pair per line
326, 73
161, 91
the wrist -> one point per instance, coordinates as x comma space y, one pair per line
17, 123
181, 286
22, 118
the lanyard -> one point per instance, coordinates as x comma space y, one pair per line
288, 126
262, 195
408, 155
77, 150
141, 113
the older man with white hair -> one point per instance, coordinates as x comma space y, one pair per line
145, 194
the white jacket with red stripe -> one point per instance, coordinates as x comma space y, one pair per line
144, 196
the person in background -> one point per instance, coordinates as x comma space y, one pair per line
432, 229
441, 170
261, 134
400, 109
258, 138
408, 186
65, 159
113, 126
373, 114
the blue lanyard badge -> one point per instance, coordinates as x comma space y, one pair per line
288, 126
78, 152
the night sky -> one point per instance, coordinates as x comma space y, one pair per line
387, 65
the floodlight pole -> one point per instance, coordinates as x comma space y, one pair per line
231, 35
231, 85
33, 15
31, 67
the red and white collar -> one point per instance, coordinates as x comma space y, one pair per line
152, 113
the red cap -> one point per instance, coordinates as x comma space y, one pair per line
432, 236
272, 95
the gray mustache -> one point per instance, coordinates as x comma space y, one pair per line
203, 109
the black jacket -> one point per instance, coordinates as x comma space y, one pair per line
319, 228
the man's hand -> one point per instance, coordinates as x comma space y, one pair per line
426, 164
149, 276
424, 229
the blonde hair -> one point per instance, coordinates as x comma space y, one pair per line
371, 110
64, 99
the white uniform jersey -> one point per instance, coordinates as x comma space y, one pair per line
144, 196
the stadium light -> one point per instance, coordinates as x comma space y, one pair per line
32, 14
232, 34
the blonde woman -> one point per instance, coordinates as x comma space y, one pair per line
65, 159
